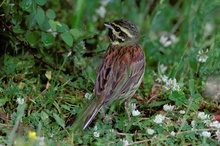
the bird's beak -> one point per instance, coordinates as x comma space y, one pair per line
108, 25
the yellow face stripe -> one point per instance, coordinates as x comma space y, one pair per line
115, 43
123, 29
118, 43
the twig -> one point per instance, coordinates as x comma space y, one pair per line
27, 47
176, 26
2, 3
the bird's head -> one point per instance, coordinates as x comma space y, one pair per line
122, 32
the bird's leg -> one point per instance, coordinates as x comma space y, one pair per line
128, 112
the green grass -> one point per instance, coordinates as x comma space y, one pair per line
37, 69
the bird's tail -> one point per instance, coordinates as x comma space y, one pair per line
85, 117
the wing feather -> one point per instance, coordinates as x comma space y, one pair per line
120, 71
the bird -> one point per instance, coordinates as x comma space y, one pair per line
120, 72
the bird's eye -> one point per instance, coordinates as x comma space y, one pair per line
117, 29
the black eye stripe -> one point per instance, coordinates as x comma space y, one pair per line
117, 28
120, 40
123, 35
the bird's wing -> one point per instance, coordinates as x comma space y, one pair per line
121, 70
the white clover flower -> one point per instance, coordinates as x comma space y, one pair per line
95, 128
94, 18
111, 130
161, 79
132, 106
159, 118
107, 117
150, 131
182, 112
163, 68
41, 141
20, 101
215, 124
172, 133
88, 96
126, 143
173, 38
202, 56
11, 4
101, 11
69, 54
172, 85
167, 107
164, 40
207, 122
135, 113
206, 134
208, 29
54, 33
217, 133
203, 116
193, 123
164, 78
96, 134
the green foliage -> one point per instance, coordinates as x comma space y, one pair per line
50, 51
